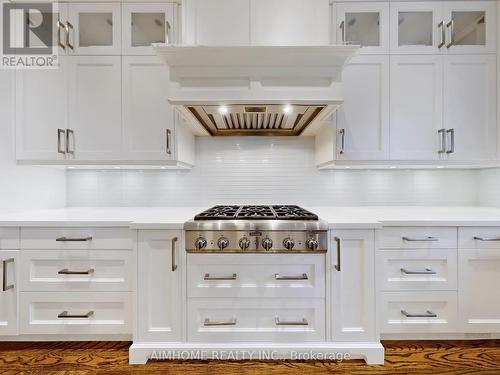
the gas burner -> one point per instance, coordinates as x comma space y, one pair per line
218, 213
256, 212
293, 213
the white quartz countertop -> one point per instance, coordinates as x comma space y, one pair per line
337, 217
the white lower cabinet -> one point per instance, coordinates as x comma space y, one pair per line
160, 296
9, 292
70, 313
479, 282
417, 312
352, 273
263, 320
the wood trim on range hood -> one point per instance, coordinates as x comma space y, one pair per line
304, 78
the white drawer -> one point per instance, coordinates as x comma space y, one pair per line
256, 320
479, 238
417, 269
9, 238
418, 238
76, 238
256, 275
392, 307
76, 270
110, 313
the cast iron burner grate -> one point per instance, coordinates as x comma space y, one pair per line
282, 212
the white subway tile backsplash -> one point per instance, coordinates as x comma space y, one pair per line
489, 187
257, 170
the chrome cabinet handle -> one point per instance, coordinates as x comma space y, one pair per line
60, 26
168, 139
174, 265
74, 239
302, 322
487, 239
342, 141
6, 287
420, 239
337, 266
452, 41
61, 149
428, 314
70, 133
207, 276
68, 44
167, 33
66, 314
452, 141
443, 34
277, 276
65, 271
427, 271
342, 27
208, 323
442, 133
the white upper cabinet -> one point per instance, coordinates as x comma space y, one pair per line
143, 24
443, 27
363, 119
417, 27
470, 26
365, 24
42, 113
416, 107
255, 22
94, 29
94, 107
470, 107
289, 22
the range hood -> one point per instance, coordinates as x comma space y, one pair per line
255, 90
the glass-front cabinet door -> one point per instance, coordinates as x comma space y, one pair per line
418, 27
470, 26
94, 28
365, 24
144, 24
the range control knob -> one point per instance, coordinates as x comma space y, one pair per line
288, 243
267, 243
223, 243
312, 244
200, 243
244, 243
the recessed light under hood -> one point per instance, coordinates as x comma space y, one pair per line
255, 90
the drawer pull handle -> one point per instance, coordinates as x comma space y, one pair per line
65, 271
302, 322
66, 314
427, 271
67, 239
232, 277
6, 287
277, 276
420, 239
428, 314
208, 323
487, 238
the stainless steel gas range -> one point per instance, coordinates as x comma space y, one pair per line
256, 229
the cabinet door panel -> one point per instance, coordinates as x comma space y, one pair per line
416, 27
95, 107
416, 107
364, 115
478, 283
353, 289
147, 115
472, 28
9, 297
41, 109
160, 298
470, 106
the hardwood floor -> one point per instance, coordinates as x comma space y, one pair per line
402, 357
